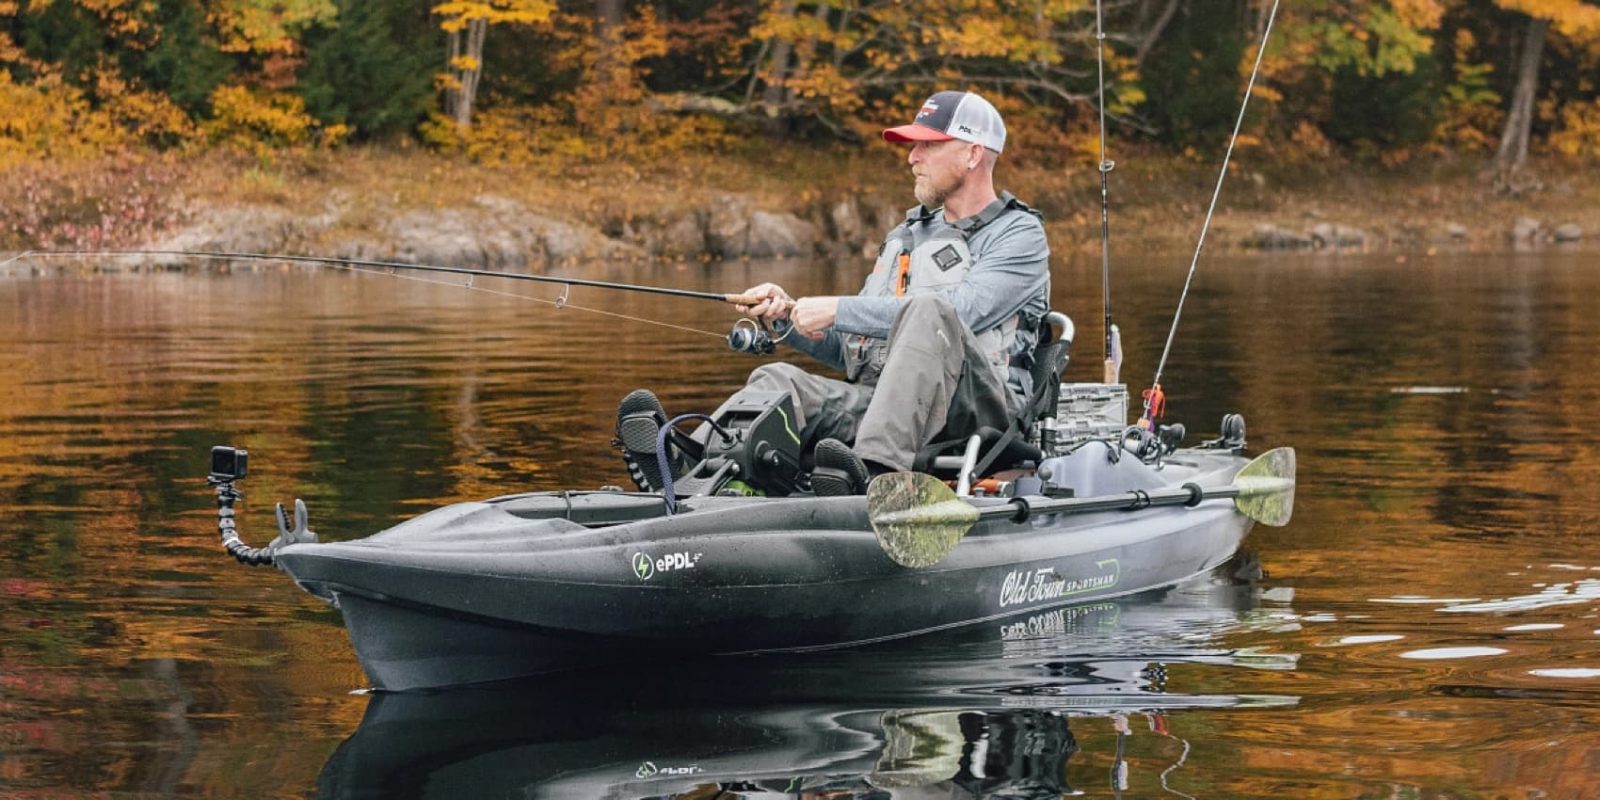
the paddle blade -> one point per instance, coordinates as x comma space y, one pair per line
1266, 487
916, 518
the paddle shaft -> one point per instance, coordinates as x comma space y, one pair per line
1020, 509
736, 299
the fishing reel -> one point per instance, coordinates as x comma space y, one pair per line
750, 336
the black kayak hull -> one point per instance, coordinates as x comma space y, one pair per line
490, 591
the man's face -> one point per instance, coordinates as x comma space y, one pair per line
939, 167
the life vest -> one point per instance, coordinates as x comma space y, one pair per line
917, 258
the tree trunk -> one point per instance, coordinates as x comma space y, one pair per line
610, 14
468, 78
452, 94
773, 94
1149, 36
1519, 120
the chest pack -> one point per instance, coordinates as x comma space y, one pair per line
919, 256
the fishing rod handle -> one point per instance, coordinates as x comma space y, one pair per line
753, 299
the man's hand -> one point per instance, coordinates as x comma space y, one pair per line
813, 316
774, 307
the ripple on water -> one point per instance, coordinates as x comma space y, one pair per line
1421, 600
1566, 672
1443, 653
1373, 638
1556, 594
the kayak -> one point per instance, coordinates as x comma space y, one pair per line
532, 583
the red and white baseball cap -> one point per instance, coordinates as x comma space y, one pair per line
954, 115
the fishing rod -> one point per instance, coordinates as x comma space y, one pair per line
747, 336
1113, 356
1155, 400
733, 299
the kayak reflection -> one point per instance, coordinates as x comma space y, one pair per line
988, 711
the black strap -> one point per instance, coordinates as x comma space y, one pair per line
921, 215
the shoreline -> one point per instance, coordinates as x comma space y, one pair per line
410, 205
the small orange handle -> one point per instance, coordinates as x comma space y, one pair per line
902, 277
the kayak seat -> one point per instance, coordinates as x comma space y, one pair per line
1011, 447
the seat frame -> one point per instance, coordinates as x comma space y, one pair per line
998, 450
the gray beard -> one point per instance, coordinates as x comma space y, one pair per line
930, 196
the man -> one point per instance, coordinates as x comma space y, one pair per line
938, 342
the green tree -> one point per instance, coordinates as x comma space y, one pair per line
372, 70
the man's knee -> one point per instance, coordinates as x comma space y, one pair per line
778, 375
927, 310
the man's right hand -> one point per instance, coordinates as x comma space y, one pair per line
773, 307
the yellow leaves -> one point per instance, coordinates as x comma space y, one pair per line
457, 14
148, 116
259, 121
1266, 93
1579, 134
50, 119
1427, 14
1576, 19
465, 63
266, 26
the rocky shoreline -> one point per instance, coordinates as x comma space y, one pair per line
383, 205
498, 232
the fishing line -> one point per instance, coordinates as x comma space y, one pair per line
1153, 398
379, 267
737, 299
558, 304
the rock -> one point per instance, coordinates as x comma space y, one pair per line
1525, 230
1570, 232
237, 229
846, 225
498, 232
1338, 237
1272, 237
1457, 232
683, 234
773, 235
735, 228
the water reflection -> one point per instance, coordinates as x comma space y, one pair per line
136, 661
1007, 710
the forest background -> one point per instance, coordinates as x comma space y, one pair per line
1406, 121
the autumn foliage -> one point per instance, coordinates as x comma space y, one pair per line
549, 81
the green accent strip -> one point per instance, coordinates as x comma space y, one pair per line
788, 426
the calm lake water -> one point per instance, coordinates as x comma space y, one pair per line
1426, 627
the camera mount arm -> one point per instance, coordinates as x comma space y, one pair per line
228, 465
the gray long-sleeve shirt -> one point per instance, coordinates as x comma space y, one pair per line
1010, 274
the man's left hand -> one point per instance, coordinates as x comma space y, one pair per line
813, 316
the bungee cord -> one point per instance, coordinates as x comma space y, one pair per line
1154, 398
